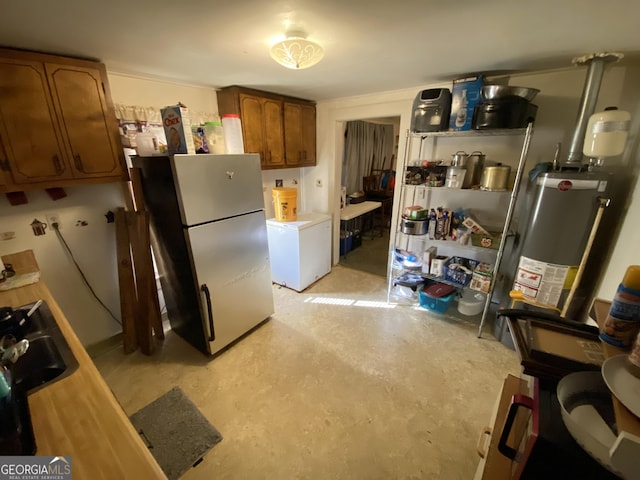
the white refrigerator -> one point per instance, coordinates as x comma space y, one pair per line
300, 251
209, 238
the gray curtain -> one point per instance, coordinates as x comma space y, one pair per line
363, 142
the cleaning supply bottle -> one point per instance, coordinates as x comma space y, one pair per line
623, 321
461, 117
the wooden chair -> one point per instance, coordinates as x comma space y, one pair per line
378, 187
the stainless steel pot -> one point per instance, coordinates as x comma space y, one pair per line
459, 159
414, 227
495, 178
474, 165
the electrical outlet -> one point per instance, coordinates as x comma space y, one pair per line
54, 218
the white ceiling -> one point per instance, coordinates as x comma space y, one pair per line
370, 46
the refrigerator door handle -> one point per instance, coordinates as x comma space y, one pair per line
207, 295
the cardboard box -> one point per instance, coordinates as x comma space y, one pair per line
465, 96
177, 128
428, 255
486, 241
481, 278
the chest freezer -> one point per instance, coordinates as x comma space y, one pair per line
300, 251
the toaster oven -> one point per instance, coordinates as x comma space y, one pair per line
431, 110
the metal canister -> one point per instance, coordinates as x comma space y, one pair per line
474, 165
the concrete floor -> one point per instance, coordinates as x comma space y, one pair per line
335, 386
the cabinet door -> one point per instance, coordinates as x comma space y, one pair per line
79, 97
28, 125
262, 129
252, 121
274, 143
293, 133
308, 134
300, 134
4, 168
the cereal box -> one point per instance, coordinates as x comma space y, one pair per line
481, 279
177, 128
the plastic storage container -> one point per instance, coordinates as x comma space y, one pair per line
471, 303
215, 137
147, 144
232, 127
433, 304
606, 133
285, 204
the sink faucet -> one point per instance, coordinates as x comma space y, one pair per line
13, 350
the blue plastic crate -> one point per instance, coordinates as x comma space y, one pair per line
346, 244
433, 304
459, 277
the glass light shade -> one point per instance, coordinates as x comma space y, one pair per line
296, 52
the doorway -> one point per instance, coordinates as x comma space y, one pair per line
364, 240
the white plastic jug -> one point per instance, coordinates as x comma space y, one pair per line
233, 141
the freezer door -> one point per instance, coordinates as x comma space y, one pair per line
211, 187
231, 261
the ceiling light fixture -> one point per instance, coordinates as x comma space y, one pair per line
296, 52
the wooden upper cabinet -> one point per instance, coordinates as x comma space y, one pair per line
270, 128
262, 129
4, 166
300, 134
57, 123
84, 117
28, 127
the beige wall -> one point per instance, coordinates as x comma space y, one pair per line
149, 92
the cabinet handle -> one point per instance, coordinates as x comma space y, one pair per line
517, 401
207, 296
57, 164
482, 446
78, 162
304, 155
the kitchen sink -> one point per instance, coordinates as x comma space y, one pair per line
48, 357
47, 360
41, 364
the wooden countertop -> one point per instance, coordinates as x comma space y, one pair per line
79, 415
625, 420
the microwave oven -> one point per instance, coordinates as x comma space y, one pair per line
537, 442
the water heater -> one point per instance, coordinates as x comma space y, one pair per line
564, 206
